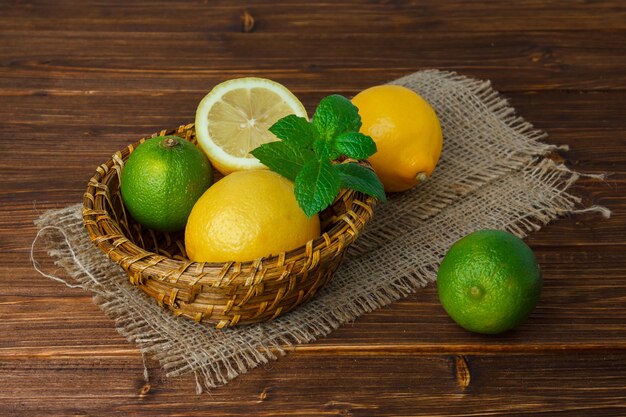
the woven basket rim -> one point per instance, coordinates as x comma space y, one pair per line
138, 261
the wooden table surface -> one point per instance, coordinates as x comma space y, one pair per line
81, 79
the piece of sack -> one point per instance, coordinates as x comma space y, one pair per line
493, 174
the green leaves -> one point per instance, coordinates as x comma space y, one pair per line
336, 115
362, 179
316, 185
354, 145
307, 149
295, 131
283, 159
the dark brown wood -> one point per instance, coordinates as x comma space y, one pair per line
80, 80
568, 384
535, 60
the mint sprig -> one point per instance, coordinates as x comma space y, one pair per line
306, 152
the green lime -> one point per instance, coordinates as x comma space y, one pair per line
161, 181
489, 281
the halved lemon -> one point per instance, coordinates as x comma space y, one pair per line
234, 118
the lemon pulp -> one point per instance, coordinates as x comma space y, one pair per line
233, 119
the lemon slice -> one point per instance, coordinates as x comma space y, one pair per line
234, 118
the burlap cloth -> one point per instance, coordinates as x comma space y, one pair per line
493, 174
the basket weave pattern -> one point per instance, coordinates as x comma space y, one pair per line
223, 294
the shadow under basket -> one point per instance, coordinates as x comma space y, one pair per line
222, 294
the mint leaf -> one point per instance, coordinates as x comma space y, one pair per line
323, 150
306, 151
316, 186
336, 115
282, 158
295, 131
354, 145
360, 178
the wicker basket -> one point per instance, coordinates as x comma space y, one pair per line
223, 294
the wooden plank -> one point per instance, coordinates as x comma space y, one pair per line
50, 62
129, 118
81, 79
304, 385
591, 149
574, 308
316, 16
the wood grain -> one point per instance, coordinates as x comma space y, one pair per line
537, 60
572, 311
81, 79
306, 17
324, 385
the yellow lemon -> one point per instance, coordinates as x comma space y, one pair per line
245, 216
406, 131
233, 119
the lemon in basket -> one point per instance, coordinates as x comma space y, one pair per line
234, 118
247, 215
406, 131
161, 181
